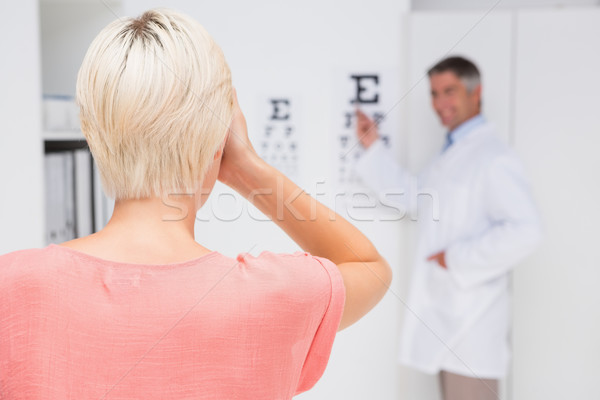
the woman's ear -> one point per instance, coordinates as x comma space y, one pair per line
219, 152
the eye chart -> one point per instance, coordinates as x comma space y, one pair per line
376, 93
278, 141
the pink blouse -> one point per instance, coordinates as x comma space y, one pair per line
74, 326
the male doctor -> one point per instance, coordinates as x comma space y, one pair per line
459, 316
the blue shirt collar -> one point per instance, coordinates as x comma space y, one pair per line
463, 129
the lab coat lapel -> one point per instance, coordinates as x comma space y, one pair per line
451, 158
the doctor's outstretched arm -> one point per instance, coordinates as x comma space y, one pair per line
378, 170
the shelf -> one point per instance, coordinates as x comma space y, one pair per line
63, 135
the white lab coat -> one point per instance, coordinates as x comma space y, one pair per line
458, 318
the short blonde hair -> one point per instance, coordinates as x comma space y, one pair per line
155, 104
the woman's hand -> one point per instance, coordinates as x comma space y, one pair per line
238, 154
309, 223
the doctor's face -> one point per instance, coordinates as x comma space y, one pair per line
451, 100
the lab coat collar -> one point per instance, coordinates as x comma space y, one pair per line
475, 129
463, 130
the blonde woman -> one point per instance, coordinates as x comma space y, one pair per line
140, 310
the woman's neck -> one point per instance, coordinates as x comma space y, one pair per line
154, 231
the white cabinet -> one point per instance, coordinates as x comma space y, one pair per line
21, 150
75, 204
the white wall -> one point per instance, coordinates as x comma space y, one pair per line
556, 317
67, 29
495, 4
21, 201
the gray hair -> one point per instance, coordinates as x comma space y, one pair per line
464, 69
